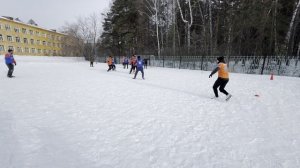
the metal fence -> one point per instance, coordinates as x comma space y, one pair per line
284, 66
277, 65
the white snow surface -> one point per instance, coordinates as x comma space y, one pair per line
61, 113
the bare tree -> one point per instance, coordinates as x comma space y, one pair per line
189, 23
291, 29
153, 9
94, 23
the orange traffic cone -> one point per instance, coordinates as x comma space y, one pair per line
272, 77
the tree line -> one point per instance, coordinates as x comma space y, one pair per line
192, 28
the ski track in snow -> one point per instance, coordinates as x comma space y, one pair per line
60, 113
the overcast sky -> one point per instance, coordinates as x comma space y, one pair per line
52, 14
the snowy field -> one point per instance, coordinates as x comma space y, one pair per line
60, 113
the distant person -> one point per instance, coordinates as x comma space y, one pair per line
145, 63
109, 63
223, 78
139, 67
10, 62
113, 64
133, 64
91, 62
125, 62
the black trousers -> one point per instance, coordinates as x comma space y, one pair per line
10, 69
136, 72
110, 68
132, 68
220, 82
91, 64
125, 64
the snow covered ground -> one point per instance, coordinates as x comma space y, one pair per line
60, 113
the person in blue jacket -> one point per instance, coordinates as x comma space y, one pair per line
139, 67
10, 62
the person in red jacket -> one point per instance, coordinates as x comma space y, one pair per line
10, 62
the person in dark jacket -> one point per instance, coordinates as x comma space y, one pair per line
139, 67
125, 62
91, 61
10, 62
113, 65
145, 63
223, 78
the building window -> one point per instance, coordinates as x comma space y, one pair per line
7, 27
18, 40
33, 50
2, 48
25, 41
32, 41
39, 51
0, 26
19, 49
11, 47
1, 38
44, 43
17, 30
9, 38
49, 43
38, 42
37, 33
24, 30
45, 51
31, 32
26, 50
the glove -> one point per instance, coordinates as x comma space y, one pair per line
210, 75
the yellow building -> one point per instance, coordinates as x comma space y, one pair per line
28, 39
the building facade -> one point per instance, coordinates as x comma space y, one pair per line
29, 39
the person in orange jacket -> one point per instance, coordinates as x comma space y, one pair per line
133, 64
223, 78
109, 63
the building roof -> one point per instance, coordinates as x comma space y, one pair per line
31, 23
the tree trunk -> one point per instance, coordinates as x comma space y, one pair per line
210, 28
174, 27
189, 24
157, 29
291, 30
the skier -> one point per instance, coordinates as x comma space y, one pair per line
223, 78
133, 64
109, 63
10, 61
139, 65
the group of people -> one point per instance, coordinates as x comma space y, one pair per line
137, 65
136, 62
125, 61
